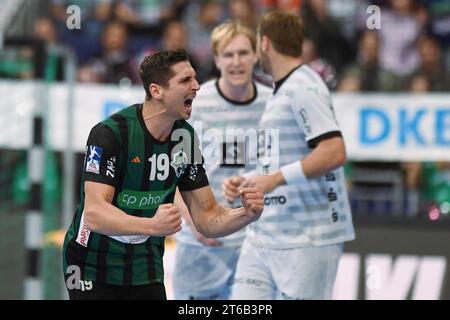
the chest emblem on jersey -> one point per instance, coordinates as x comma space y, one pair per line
179, 162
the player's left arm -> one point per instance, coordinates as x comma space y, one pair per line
179, 203
214, 220
209, 217
327, 156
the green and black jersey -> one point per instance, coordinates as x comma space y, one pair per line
145, 172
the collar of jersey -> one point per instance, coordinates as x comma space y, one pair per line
144, 127
237, 103
280, 82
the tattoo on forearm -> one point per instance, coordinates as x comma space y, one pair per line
220, 213
203, 203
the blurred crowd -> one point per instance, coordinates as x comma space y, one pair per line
410, 52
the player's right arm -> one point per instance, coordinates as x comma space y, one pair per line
327, 156
103, 217
102, 169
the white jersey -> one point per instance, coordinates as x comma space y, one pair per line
228, 139
316, 212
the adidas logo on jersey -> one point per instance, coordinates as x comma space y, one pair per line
136, 160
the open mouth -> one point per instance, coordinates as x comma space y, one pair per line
188, 103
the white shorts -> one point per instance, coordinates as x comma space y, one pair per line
204, 273
286, 274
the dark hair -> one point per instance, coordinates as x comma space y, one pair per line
157, 68
285, 30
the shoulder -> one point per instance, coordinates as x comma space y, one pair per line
102, 136
101, 129
262, 89
122, 118
117, 124
308, 76
207, 98
306, 81
208, 87
208, 90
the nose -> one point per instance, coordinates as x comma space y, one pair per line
236, 60
195, 85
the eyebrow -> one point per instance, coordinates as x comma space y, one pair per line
239, 51
188, 77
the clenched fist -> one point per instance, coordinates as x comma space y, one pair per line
230, 188
166, 221
252, 201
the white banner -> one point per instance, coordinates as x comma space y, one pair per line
92, 104
17, 102
389, 127
395, 127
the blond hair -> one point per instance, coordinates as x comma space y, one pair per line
223, 33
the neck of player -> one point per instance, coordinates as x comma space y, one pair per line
281, 65
239, 93
157, 121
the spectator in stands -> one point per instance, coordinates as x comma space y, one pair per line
431, 64
58, 8
286, 5
44, 29
367, 68
114, 63
175, 10
138, 12
86, 40
436, 189
145, 19
200, 19
325, 32
174, 36
398, 34
318, 64
349, 83
244, 11
420, 84
438, 14
351, 17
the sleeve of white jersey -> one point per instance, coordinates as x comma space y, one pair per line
313, 111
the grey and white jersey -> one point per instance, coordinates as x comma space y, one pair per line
228, 132
316, 212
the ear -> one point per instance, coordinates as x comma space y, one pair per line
265, 43
156, 91
216, 62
